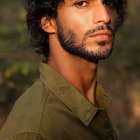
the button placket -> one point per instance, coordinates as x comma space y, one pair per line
106, 125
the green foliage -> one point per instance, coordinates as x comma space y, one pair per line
18, 69
118, 125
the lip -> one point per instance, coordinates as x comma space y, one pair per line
103, 32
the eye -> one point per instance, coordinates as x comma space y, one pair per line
109, 3
81, 4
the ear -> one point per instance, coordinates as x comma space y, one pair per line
48, 25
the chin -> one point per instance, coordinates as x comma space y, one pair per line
99, 52
104, 43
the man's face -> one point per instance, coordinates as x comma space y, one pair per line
87, 28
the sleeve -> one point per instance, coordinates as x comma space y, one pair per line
27, 136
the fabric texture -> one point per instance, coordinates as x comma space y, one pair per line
52, 109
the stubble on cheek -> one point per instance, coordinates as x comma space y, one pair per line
69, 40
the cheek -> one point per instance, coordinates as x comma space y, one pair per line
75, 21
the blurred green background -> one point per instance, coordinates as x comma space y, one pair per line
119, 75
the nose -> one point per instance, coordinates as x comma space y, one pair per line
101, 14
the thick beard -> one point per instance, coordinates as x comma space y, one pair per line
68, 40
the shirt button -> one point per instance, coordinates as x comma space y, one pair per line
106, 125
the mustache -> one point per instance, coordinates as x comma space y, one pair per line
98, 28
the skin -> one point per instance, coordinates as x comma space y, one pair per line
80, 17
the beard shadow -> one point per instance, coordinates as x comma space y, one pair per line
68, 40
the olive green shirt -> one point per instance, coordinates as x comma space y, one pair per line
52, 109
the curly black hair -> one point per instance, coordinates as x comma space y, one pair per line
36, 9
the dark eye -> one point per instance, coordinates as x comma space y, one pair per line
81, 4
109, 3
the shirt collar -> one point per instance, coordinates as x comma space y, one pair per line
70, 96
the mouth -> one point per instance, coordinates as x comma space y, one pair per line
103, 35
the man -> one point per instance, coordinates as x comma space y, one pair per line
67, 103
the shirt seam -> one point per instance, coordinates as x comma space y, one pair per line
25, 133
40, 114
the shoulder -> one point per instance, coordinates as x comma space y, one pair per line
38, 111
27, 112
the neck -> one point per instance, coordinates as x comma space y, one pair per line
79, 72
